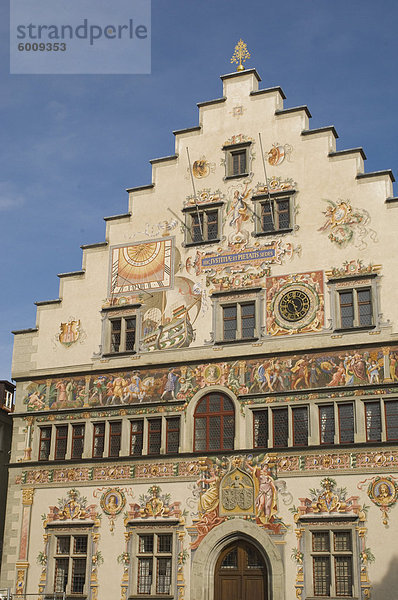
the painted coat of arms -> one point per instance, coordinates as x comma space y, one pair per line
69, 332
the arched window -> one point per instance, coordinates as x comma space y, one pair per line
214, 423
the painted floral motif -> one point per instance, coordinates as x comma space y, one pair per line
73, 507
352, 267
205, 196
276, 184
237, 486
278, 153
345, 224
154, 504
383, 491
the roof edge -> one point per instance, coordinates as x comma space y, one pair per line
286, 111
115, 217
240, 73
209, 102
348, 151
377, 174
71, 274
187, 130
48, 302
96, 245
138, 188
269, 91
155, 161
320, 130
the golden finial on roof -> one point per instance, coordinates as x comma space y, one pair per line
240, 55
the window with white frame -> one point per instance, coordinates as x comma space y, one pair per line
70, 562
354, 303
202, 224
237, 160
273, 213
153, 572
8, 400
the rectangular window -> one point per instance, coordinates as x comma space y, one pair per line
326, 424
115, 436
155, 553
355, 308
122, 335
332, 563
61, 441
237, 160
202, 225
346, 423
45, 443
239, 321
373, 421
77, 440
70, 564
274, 215
136, 439
280, 427
260, 428
300, 426
391, 408
172, 435
98, 440
154, 435
8, 400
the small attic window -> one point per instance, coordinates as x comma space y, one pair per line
237, 160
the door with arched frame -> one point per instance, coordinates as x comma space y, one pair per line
240, 573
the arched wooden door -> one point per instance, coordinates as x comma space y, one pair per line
240, 574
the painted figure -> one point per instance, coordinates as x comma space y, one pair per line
209, 499
266, 495
171, 382
238, 210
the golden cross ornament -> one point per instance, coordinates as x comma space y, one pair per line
240, 55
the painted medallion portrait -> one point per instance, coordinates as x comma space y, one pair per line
113, 501
383, 491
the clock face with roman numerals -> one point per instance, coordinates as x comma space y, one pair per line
142, 266
294, 305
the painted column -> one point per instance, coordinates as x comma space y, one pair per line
22, 565
28, 447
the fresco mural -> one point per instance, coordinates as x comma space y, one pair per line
142, 266
329, 369
278, 153
295, 303
345, 224
237, 486
332, 501
154, 505
383, 492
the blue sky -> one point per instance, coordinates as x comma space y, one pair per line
72, 144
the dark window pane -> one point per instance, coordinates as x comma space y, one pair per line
165, 541
200, 434
144, 575
254, 560
228, 433
130, 334
214, 403
80, 544
239, 162
77, 441
63, 544
321, 566
145, 544
392, 419
212, 224
248, 320
281, 428
61, 441
99, 440
283, 214
230, 322
230, 561
320, 541
214, 424
364, 307
163, 578
116, 329
154, 435
300, 426
260, 426
115, 433
346, 423
78, 575
136, 437
326, 424
346, 309
342, 541
214, 432
61, 574
267, 219
172, 434
373, 421
343, 573
197, 223
45, 443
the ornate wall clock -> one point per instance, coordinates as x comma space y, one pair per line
295, 306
